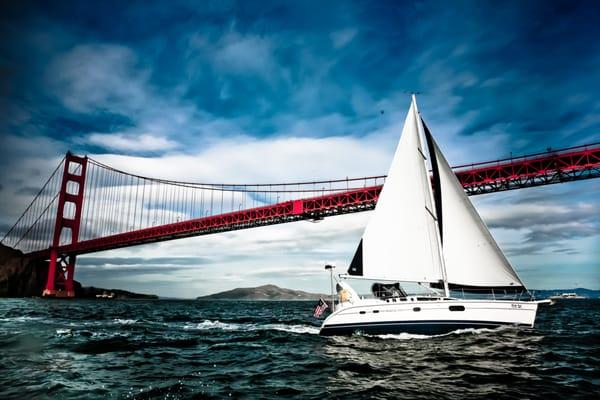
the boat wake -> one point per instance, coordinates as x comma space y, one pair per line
226, 326
465, 331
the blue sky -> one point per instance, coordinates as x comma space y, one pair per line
284, 91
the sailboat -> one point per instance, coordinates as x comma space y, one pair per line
425, 232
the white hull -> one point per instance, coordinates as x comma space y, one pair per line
435, 316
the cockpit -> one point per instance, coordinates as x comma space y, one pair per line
387, 290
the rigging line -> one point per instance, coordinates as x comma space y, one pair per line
32, 201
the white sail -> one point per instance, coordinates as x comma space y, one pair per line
401, 240
471, 255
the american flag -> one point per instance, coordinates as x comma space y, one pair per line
320, 307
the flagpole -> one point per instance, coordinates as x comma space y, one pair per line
330, 268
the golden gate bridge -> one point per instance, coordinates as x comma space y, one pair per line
86, 206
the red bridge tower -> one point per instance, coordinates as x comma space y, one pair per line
68, 220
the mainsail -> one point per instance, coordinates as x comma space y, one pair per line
408, 239
401, 239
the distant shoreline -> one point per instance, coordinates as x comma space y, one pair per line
263, 293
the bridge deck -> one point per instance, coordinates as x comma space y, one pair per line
536, 170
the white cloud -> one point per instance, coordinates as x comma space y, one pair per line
245, 54
131, 143
275, 160
97, 76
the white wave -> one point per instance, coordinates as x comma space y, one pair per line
290, 328
408, 336
120, 321
405, 336
473, 331
64, 332
20, 319
109, 335
208, 325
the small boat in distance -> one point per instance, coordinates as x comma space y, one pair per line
426, 233
567, 296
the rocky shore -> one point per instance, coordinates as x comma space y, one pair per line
21, 276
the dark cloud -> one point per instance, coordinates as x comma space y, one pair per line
515, 251
545, 224
497, 70
555, 234
568, 251
78, 124
529, 218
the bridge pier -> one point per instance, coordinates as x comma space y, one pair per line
61, 268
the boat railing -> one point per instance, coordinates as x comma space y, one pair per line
471, 294
492, 294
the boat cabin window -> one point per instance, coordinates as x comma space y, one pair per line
386, 291
457, 308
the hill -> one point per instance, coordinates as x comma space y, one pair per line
265, 292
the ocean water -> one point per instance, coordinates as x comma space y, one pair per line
168, 349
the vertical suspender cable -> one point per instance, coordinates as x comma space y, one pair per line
119, 205
137, 187
129, 195
142, 205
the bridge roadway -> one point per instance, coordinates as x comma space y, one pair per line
551, 167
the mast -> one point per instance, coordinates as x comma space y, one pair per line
437, 197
